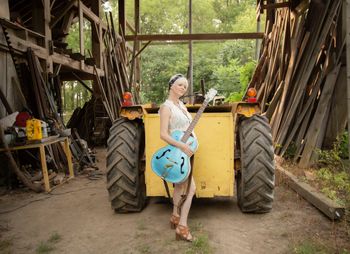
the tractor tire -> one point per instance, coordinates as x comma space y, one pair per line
255, 180
125, 167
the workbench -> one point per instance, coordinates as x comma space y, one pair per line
41, 147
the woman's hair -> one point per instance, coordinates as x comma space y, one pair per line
174, 78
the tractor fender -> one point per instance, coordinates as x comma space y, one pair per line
246, 109
132, 112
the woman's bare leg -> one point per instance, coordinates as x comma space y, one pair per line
187, 204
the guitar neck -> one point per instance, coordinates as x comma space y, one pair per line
194, 122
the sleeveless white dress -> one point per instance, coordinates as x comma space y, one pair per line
180, 118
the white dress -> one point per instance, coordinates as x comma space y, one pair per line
180, 118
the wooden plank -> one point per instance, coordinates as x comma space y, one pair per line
307, 108
327, 206
338, 115
194, 37
348, 65
314, 129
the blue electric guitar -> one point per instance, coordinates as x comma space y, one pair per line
169, 162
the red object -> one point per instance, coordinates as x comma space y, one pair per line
21, 119
127, 103
251, 92
251, 100
127, 96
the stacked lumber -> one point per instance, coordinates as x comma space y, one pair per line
298, 77
116, 67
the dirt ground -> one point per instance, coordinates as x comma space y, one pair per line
78, 218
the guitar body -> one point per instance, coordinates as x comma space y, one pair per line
170, 163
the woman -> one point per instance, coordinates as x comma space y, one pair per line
174, 116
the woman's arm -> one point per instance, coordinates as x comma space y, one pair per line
165, 114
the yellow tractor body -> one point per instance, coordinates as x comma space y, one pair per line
213, 168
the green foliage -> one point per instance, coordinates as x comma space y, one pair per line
344, 146
200, 246
55, 238
156, 74
74, 95
312, 247
230, 13
44, 248
309, 247
335, 185
49, 245
331, 158
234, 97
290, 151
245, 75
227, 77
73, 37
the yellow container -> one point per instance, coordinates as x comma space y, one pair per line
33, 129
213, 161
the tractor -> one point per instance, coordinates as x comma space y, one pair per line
235, 156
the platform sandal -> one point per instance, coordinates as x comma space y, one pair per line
183, 233
174, 221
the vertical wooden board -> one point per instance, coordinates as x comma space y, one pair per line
348, 64
314, 129
3, 85
4, 10
338, 114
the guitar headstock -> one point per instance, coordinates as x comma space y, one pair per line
210, 94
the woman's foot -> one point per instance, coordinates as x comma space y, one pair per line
174, 221
183, 233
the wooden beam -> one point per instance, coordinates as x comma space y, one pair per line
90, 15
195, 37
275, 6
327, 206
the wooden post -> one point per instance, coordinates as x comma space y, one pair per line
48, 36
257, 42
348, 64
121, 15
81, 29
138, 43
190, 58
96, 34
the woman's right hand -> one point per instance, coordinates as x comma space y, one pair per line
186, 149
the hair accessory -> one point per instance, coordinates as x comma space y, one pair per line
174, 78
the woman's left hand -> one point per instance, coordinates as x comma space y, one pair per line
186, 149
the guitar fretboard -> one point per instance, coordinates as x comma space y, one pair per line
194, 122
